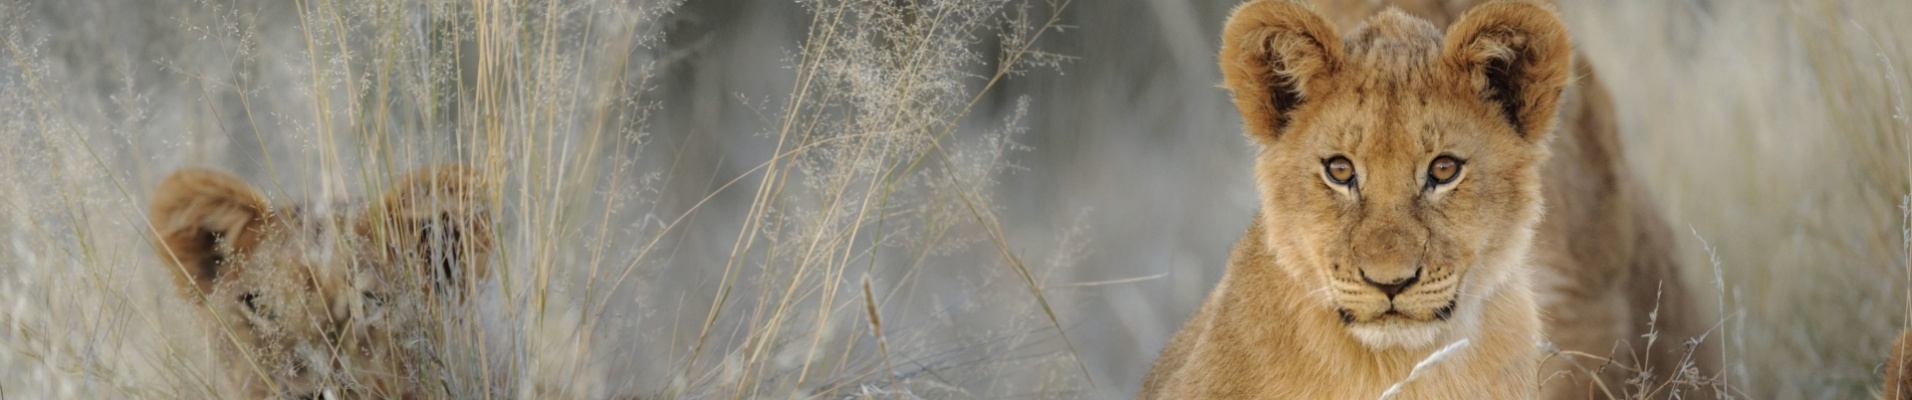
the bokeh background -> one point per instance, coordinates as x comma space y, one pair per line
709, 199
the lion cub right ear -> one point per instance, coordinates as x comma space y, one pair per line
1515, 55
205, 220
437, 220
1276, 54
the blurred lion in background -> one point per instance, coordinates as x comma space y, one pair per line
1403, 174
307, 303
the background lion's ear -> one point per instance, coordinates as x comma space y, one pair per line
437, 219
1898, 369
1516, 56
1275, 55
205, 220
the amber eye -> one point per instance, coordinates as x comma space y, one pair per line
1339, 170
1443, 170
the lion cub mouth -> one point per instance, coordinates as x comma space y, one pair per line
1443, 313
1440, 314
1395, 328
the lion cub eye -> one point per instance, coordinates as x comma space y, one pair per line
373, 299
250, 299
1339, 170
1443, 170
253, 305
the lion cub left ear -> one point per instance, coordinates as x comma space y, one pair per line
208, 222
1516, 56
436, 220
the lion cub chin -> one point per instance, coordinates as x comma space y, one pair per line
305, 302
1399, 333
1400, 187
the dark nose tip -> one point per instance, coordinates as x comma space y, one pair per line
1395, 287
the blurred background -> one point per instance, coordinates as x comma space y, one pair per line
936, 199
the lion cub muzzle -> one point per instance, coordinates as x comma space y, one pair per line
1392, 275
1396, 298
1390, 290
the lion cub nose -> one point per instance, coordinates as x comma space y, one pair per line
1391, 285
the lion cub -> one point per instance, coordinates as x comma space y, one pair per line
1400, 180
306, 304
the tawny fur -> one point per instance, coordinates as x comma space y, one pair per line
1601, 259
302, 302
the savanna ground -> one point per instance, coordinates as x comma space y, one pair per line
714, 198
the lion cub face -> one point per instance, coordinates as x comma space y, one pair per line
313, 304
1399, 171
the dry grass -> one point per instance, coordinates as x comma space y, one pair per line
1777, 132
875, 173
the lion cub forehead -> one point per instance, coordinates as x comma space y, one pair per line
1393, 40
320, 236
316, 213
